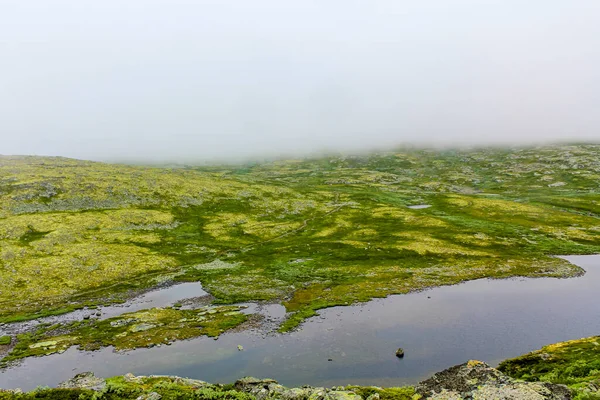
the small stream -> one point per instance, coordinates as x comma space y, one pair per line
488, 320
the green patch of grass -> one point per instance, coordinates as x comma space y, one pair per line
118, 388
5, 340
575, 363
174, 388
46, 313
399, 393
32, 235
146, 328
78, 233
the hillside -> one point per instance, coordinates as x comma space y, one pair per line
306, 233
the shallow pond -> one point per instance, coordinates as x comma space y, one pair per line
156, 298
489, 320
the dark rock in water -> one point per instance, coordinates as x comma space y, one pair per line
85, 380
400, 353
477, 380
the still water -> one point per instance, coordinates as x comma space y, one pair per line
488, 320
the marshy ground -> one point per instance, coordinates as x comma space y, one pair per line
307, 234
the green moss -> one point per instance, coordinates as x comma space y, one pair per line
575, 363
31, 235
174, 388
400, 393
78, 233
5, 340
146, 328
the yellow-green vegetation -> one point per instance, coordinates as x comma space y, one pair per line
122, 388
146, 328
130, 387
575, 363
393, 393
5, 340
307, 233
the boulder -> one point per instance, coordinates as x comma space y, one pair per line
478, 381
85, 380
264, 389
150, 396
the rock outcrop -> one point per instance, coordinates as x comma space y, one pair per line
264, 389
85, 380
478, 381
473, 380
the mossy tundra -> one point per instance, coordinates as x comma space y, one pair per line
146, 328
575, 363
130, 387
307, 233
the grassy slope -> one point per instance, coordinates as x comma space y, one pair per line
308, 233
575, 363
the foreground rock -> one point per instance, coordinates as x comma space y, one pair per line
474, 380
85, 380
478, 381
269, 389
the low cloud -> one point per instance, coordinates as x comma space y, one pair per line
205, 80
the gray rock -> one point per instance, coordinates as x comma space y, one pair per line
264, 389
150, 396
142, 327
85, 380
122, 322
249, 383
478, 381
129, 377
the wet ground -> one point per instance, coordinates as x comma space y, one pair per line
489, 320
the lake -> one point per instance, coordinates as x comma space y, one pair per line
488, 320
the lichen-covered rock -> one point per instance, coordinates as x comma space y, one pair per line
264, 389
142, 327
85, 380
478, 381
150, 396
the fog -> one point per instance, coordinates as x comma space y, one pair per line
175, 80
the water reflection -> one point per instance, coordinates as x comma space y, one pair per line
486, 319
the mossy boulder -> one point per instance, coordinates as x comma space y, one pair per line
477, 380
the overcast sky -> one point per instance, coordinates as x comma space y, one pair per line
199, 80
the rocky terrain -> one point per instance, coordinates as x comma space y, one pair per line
307, 234
474, 380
